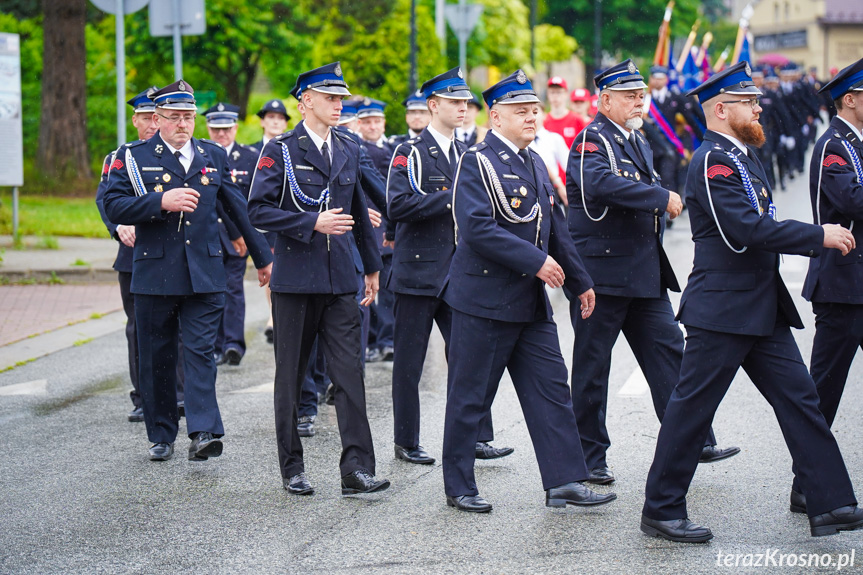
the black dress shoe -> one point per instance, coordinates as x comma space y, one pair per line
600, 476
233, 356
470, 503
361, 481
680, 530
798, 502
204, 446
181, 408
485, 451
161, 451
575, 494
374, 355
268, 333
845, 518
414, 455
137, 414
298, 484
306, 426
220, 358
711, 453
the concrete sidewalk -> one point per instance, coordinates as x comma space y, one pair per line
81, 300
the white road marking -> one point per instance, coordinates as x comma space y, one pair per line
35, 387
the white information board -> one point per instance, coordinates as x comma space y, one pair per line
12, 150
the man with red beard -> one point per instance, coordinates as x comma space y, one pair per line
738, 313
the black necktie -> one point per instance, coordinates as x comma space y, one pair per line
325, 152
633, 139
453, 158
178, 155
528, 163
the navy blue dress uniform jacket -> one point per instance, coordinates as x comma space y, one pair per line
493, 271
738, 293
623, 251
241, 165
306, 262
832, 277
123, 261
425, 239
174, 257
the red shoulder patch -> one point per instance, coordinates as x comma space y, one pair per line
265, 162
400, 161
586, 147
719, 170
105, 168
834, 159
118, 165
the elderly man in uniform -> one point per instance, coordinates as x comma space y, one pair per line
834, 287
222, 126
168, 187
307, 189
511, 242
419, 194
738, 313
125, 236
417, 117
617, 208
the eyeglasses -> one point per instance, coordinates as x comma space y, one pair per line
190, 119
753, 102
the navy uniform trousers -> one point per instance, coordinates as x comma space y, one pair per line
655, 338
530, 351
159, 319
775, 366
334, 320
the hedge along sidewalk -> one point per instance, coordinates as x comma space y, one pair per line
45, 215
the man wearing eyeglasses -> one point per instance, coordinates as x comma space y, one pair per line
617, 219
168, 188
738, 313
145, 125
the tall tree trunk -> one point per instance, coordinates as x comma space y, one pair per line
63, 122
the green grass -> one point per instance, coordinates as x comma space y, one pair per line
51, 216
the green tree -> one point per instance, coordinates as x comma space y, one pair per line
629, 27
552, 44
227, 58
372, 41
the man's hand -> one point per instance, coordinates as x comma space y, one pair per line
126, 235
675, 205
180, 200
588, 302
388, 243
240, 245
264, 275
835, 236
375, 218
334, 222
371, 289
551, 273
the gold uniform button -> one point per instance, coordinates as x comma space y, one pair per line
485, 271
219, 220
145, 253
449, 206
186, 185
417, 256
188, 223
188, 242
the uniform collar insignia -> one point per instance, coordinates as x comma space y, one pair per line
159, 148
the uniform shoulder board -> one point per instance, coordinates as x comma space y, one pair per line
211, 142
287, 134
135, 143
412, 141
596, 127
477, 147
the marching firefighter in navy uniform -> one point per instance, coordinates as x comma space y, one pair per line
307, 190
510, 244
834, 283
617, 219
738, 313
222, 127
125, 236
168, 187
417, 117
419, 195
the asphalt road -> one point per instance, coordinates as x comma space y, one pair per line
78, 494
